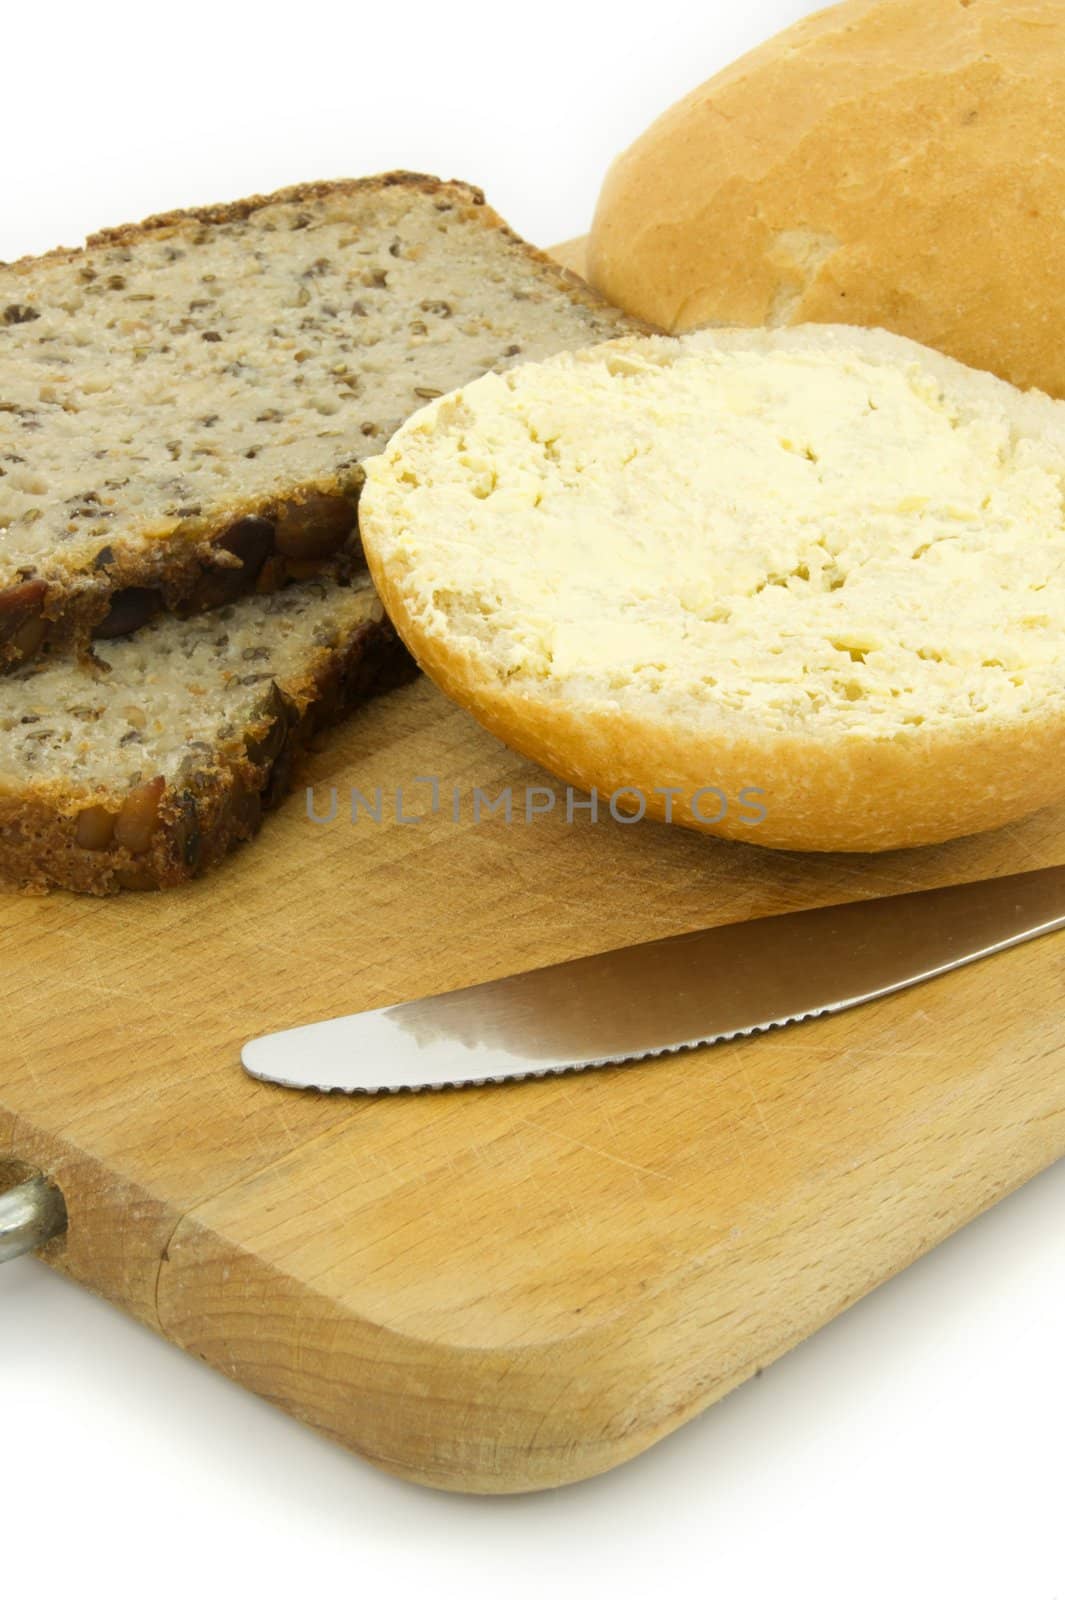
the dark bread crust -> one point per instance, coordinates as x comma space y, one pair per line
226, 211
189, 570
184, 575
221, 804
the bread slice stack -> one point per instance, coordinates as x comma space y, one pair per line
802, 587
185, 409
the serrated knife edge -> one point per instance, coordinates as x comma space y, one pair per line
692, 989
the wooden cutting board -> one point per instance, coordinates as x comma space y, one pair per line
504, 1288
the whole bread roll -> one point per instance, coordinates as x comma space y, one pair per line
803, 587
890, 163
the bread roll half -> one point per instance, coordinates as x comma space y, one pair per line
804, 587
892, 163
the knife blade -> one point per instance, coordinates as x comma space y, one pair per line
670, 994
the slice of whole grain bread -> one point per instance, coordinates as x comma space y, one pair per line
185, 404
145, 765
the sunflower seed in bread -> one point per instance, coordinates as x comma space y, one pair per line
185, 404
144, 767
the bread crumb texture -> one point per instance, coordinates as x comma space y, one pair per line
167, 701
172, 376
889, 163
142, 767
801, 543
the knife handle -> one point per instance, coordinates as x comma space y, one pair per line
30, 1214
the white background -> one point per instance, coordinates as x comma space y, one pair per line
914, 1448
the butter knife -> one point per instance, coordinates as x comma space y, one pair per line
670, 994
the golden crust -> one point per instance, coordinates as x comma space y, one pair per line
894, 163
818, 795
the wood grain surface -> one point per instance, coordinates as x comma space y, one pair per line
519, 1286
515, 1287
572, 253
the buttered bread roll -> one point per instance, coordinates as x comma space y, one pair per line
803, 587
891, 163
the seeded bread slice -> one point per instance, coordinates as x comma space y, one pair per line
145, 766
185, 404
